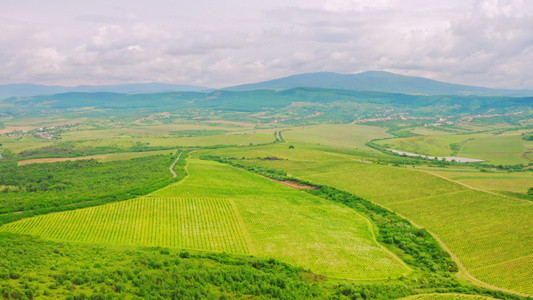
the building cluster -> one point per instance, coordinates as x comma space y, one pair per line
384, 117
468, 119
316, 114
153, 118
44, 133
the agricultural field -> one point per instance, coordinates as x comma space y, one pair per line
105, 184
506, 149
103, 157
233, 215
345, 135
517, 182
434, 145
140, 130
482, 230
207, 224
289, 224
500, 149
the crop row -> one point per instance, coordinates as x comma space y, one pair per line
208, 224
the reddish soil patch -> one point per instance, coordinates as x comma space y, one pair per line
295, 185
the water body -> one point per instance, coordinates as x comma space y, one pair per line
447, 158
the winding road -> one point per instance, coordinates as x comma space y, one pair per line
174, 164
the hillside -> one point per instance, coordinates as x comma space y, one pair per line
377, 81
26, 90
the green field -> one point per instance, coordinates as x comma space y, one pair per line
518, 182
345, 135
483, 230
447, 297
435, 145
500, 149
208, 224
221, 208
505, 149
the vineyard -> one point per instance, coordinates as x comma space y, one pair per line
291, 225
481, 229
198, 223
221, 208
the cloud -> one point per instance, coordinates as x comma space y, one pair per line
483, 42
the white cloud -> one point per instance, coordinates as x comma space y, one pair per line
483, 42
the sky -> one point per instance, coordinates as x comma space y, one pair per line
224, 43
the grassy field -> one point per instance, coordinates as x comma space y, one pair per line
495, 149
102, 157
499, 149
435, 145
446, 297
139, 130
221, 208
18, 144
518, 182
345, 135
203, 141
485, 231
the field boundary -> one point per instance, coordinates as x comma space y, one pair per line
471, 187
504, 262
458, 262
371, 227
247, 237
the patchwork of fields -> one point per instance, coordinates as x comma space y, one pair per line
491, 235
505, 149
221, 208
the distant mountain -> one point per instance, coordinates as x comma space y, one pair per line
379, 82
28, 90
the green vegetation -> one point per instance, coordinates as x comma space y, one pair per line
227, 232
481, 229
44, 188
348, 136
446, 297
34, 268
208, 224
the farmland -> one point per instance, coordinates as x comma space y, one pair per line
341, 247
346, 136
97, 199
506, 149
207, 224
483, 230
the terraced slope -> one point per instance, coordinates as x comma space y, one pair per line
221, 208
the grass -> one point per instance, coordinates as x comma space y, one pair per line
481, 229
510, 182
499, 149
495, 149
446, 297
102, 157
435, 145
18, 144
253, 214
345, 135
138, 130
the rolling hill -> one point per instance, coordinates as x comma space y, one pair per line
377, 81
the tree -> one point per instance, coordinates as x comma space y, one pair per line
291, 147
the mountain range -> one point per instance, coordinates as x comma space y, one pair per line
28, 90
377, 81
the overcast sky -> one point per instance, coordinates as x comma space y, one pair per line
222, 43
